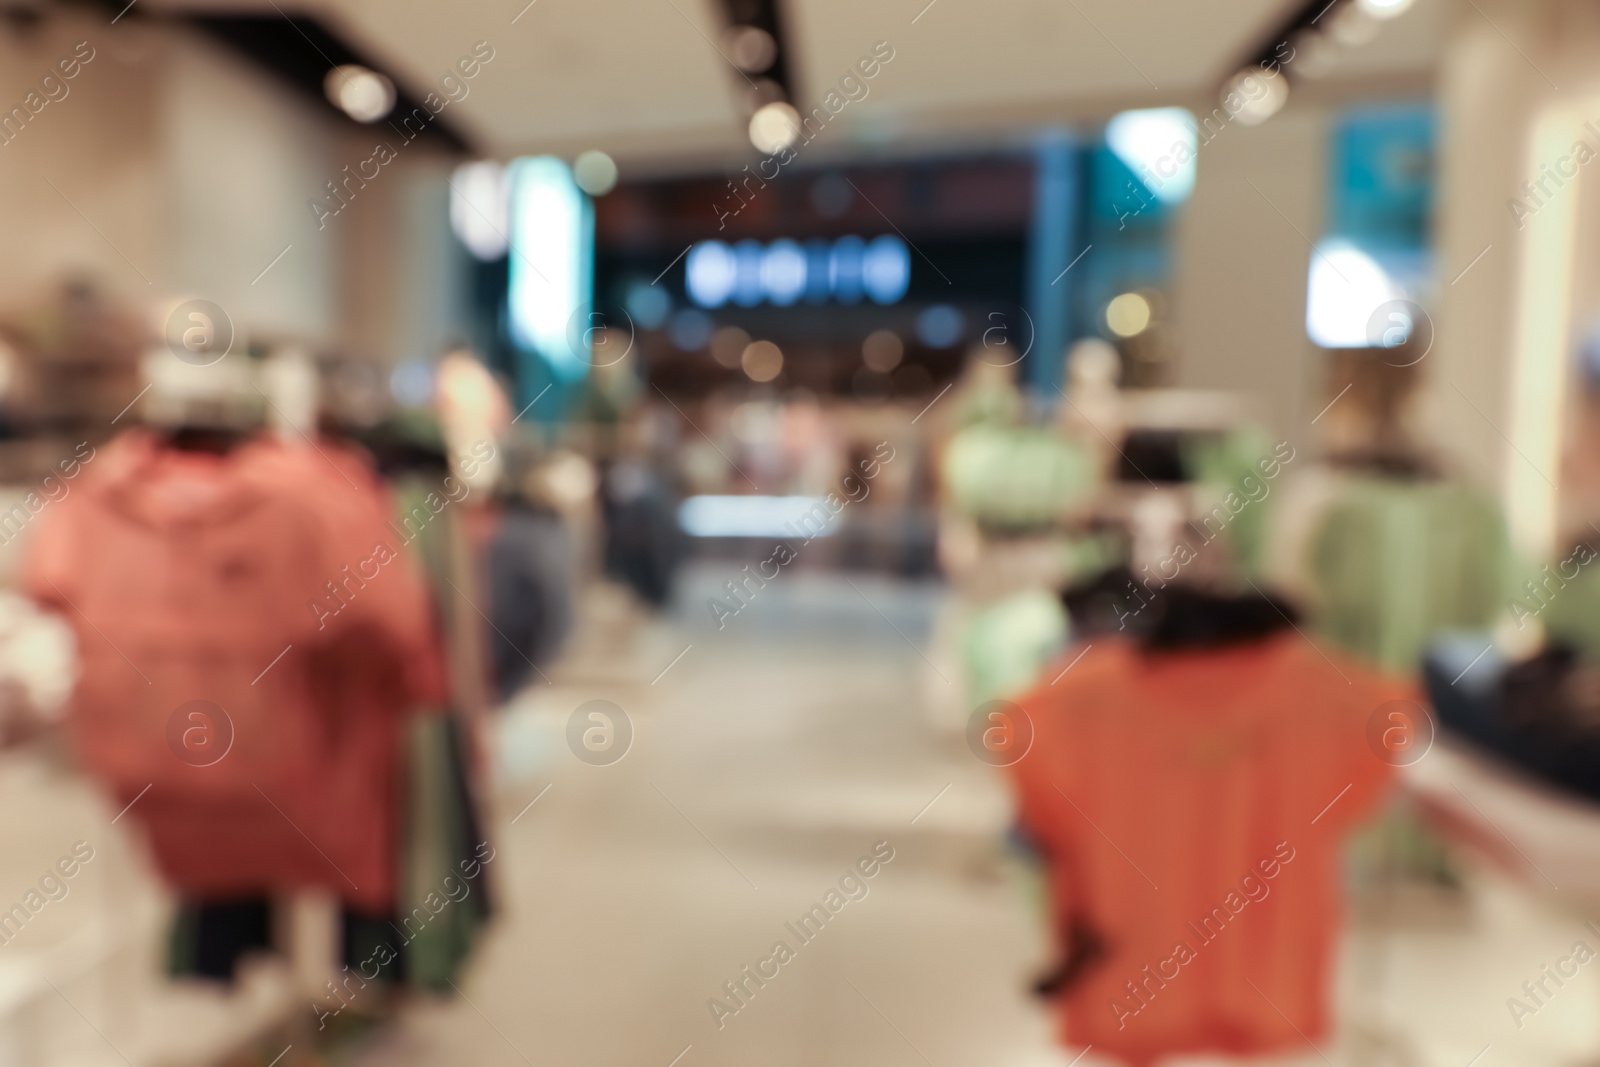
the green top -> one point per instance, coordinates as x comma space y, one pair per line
1015, 477
1006, 643
1565, 598
1394, 563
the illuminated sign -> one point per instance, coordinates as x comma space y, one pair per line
780, 273
552, 237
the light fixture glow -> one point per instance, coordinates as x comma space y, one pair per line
728, 345
1157, 144
648, 304
940, 326
752, 49
595, 173
1344, 288
886, 269
882, 351
711, 271
1128, 315
747, 256
364, 95
752, 516
1253, 96
774, 127
480, 208
689, 329
1353, 25
552, 273
1386, 9
762, 361
844, 269
783, 272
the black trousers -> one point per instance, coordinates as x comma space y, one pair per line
210, 937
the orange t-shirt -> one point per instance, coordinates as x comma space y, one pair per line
1191, 807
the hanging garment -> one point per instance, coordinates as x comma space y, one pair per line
445, 896
241, 632
1564, 597
1541, 715
1386, 564
1007, 642
530, 594
1190, 802
371, 692
642, 546
210, 938
447, 889
1015, 478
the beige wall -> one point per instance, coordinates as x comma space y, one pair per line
97, 147
401, 272
1518, 81
192, 169
1497, 386
1241, 263
240, 157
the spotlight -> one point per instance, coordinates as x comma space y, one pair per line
364, 95
595, 173
480, 208
751, 48
1261, 96
1353, 25
1314, 54
775, 127
1384, 10
1128, 315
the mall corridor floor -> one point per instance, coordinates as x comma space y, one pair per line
768, 758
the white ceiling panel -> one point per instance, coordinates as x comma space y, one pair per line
641, 79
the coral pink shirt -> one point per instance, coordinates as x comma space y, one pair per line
192, 577
1191, 806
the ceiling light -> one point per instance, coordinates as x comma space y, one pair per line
1128, 315
1253, 96
595, 173
751, 48
552, 229
1353, 25
1344, 288
1158, 145
1385, 9
480, 208
1314, 54
775, 127
364, 95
